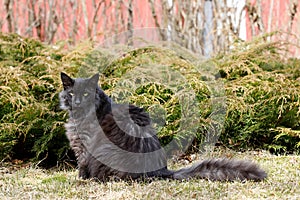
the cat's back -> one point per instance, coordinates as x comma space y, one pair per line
129, 145
130, 128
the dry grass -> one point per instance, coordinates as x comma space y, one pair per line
34, 183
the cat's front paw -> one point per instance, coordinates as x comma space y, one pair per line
83, 173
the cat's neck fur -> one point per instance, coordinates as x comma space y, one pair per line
103, 104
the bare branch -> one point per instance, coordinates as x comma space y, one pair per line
292, 13
86, 18
95, 20
117, 18
130, 22
31, 20
260, 23
154, 15
15, 14
270, 18
9, 17
252, 17
73, 31
104, 14
53, 28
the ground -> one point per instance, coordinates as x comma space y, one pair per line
27, 181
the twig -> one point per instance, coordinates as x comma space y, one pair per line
85, 18
95, 20
130, 23
154, 15
8, 7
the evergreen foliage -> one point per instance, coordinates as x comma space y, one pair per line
262, 94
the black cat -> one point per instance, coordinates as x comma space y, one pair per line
116, 140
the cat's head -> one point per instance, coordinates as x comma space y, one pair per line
78, 94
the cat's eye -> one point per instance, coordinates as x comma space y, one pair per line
86, 94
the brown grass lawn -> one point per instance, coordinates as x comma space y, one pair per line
30, 182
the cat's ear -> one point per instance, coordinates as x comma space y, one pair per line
94, 79
66, 80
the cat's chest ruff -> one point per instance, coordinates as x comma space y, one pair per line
87, 128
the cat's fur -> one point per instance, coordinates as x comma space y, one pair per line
115, 140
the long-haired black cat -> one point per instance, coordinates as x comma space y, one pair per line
116, 140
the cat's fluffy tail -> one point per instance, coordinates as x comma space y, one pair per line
222, 170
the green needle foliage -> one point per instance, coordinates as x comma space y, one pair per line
261, 88
263, 92
31, 123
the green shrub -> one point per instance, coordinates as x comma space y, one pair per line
31, 123
263, 93
259, 107
179, 91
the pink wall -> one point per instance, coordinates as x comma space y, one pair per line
63, 9
106, 26
276, 17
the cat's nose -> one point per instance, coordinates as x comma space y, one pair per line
77, 102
